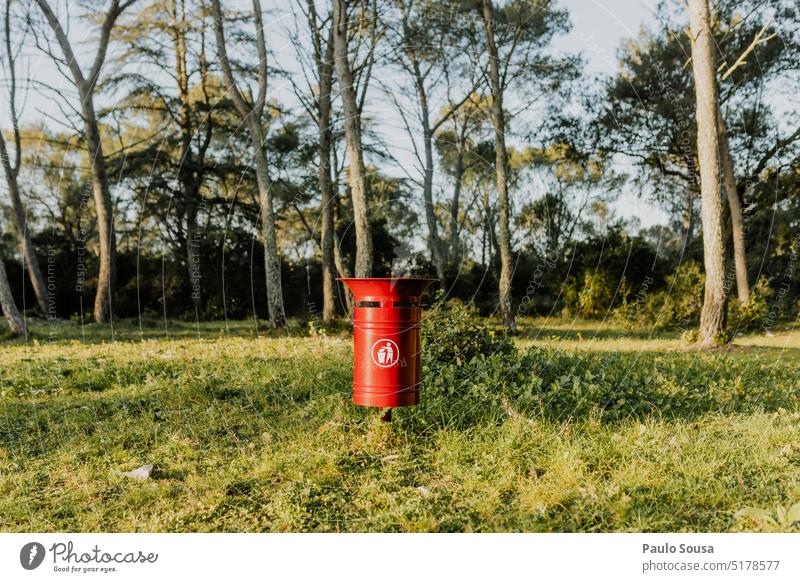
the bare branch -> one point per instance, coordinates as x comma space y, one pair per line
757, 40
63, 41
238, 99
258, 104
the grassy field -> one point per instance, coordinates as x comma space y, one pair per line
586, 428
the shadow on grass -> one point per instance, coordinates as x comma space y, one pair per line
608, 387
533, 331
221, 407
135, 330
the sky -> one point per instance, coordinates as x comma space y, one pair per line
599, 29
600, 26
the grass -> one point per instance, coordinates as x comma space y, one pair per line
255, 432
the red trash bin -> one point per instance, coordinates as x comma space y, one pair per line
386, 340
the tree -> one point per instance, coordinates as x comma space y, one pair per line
713, 315
742, 31
646, 116
501, 164
185, 99
86, 86
735, 208
570, 177
15, 321
463, 157
352, 128
426, 52
11, 171
647, 106
320, 108
517, 35
324, 60
252, 111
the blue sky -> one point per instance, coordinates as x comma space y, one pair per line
599, 27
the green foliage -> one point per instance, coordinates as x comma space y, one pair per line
464, 360
592, 298
752, 316
691, 335
471, 372
783, 518
676, 305
453, 334
682, 301
596, 295
616, 386
569, 297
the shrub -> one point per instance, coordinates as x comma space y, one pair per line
590, 298
569, 297
452, 334
596, 295
691, 335
752, 316
465, 364
472, 374
678, 304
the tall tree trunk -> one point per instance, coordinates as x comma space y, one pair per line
105, 217
352, 130
252, 113
86, 85
193, 250
327, 233
501, 162
434, 241
341, 265
490, 242
454, 254
735, 206
14, 318
272, 264
21, 223
186, 169
688, 221
12, 173
713, 316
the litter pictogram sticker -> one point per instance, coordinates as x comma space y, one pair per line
385, 353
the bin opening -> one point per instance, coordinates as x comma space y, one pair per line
368, 303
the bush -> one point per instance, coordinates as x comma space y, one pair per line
472, 374
610, 387
678, 304
596, 295
452, 334
752, 316
591, 298
465, 365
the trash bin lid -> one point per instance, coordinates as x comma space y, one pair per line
386, 287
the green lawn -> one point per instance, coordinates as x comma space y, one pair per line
255, 432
